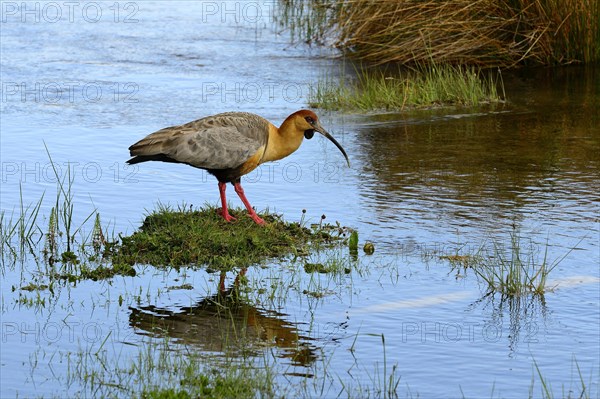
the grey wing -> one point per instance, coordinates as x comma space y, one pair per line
220, 141
222, 147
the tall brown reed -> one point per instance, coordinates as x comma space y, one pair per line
480, 32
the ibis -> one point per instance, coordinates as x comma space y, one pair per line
230, 145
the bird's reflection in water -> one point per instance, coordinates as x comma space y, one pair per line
226, 323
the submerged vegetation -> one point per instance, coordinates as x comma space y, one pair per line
235, 381
68, 247
485, 33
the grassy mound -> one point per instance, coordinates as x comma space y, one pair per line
187, 237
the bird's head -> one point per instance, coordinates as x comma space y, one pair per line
307, 121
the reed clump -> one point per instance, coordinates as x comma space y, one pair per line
487, 33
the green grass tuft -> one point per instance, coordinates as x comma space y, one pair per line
430, 86
516, 270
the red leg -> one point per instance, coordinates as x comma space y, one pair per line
222, 283
224, 212
240, 192
241, 274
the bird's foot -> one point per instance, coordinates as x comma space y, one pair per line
257, 218
225, 215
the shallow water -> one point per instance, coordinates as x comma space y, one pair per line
422, 184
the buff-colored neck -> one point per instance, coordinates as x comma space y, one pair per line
283, 141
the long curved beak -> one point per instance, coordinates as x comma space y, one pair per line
320, 129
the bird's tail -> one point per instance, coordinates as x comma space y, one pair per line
145, 158
151, 147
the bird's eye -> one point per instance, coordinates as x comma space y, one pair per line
310, 120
